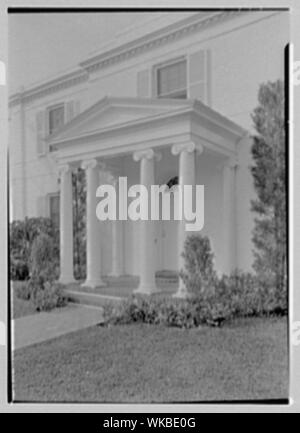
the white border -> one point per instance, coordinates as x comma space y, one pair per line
294, 207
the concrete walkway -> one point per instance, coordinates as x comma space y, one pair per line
40, 327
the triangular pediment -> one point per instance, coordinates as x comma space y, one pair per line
112, 113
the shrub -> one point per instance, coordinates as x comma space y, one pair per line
21, 238
245, 296
212, 300
198, 274
182, 313
43, 291
18, 269
23, 291
43, 261
49, 297
133, 309
237, 295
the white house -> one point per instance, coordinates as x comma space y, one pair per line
183, 86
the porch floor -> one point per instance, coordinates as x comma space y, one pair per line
118, 288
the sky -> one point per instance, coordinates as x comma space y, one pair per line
44, 45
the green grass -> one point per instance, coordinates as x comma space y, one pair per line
246, 359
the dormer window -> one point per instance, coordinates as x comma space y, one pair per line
56, 117
171, 80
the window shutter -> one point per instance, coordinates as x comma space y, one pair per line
72, 109
200, 76
143, 84
41, 123
77, 108
69, 111
42, 208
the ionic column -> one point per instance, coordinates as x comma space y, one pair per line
117, 240
66, 226
147, 228
187, 176
229, 216
93, 248
117, 249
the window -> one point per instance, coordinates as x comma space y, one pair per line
54, 209
171, 80
56, 118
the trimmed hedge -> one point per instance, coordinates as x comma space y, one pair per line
152, 310
234, 296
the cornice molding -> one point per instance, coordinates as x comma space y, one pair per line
60, 83
155, 39
123, 52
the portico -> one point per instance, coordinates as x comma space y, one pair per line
152, 139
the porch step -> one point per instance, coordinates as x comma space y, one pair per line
133, 281
87, 298
122, 281
163, 280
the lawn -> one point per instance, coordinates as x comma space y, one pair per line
245, 359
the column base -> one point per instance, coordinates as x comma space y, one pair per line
64, 279
181, 293
93, 283
115, 274
145, 290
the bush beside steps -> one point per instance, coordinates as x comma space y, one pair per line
42, 289
211, 301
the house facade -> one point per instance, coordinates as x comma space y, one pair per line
172, 98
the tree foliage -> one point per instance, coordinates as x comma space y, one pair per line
22, 235
199, 274
79, 218
44, 291
269, 175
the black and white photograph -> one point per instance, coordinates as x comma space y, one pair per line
148, 155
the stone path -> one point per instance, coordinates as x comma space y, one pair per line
40, 327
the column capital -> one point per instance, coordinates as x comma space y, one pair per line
112, 179
89, 163
147, 154
63, 169
188, 146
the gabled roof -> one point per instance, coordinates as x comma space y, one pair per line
112, 114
